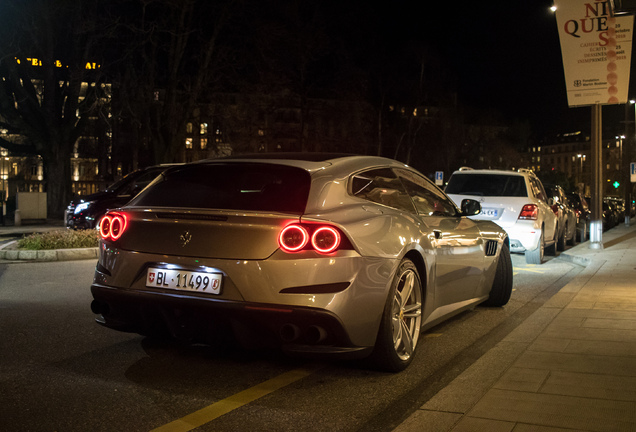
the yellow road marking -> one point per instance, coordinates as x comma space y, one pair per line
233, 402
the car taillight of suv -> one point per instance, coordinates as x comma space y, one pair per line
529, 212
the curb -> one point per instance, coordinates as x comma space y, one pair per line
575, 259
47, 255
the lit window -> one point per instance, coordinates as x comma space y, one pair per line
189, 128
204, 128
261, 132
188, 143
204, 143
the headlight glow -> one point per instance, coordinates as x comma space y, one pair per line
82, 206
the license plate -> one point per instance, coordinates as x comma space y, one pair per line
184, 280
492, 212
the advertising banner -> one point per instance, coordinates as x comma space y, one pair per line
596, 49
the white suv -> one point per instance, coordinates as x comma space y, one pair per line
514, 200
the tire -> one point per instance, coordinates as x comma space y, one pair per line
560, 244
536, 256
401, 321
552, 249
502, 285
572, 240
583, 234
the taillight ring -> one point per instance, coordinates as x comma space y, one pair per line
289, 238
326, 232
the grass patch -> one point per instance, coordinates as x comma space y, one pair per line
60, 239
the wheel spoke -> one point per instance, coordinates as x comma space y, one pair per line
407, 289
407, 339
413, 311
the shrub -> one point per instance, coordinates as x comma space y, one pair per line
60, 239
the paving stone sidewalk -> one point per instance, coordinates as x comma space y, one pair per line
571, 366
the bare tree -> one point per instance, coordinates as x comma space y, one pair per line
47, 58
173, 58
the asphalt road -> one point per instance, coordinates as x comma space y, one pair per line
60, 371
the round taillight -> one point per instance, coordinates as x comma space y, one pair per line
112, 226
117, 226
325, 239
104, 226
293, 238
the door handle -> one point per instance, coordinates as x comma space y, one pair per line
438, 234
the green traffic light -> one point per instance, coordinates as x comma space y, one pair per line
616, 184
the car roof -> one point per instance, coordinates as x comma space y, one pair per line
465, 170
313, 161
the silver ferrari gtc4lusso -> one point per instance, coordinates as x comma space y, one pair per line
315, 253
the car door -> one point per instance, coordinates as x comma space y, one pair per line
457, 241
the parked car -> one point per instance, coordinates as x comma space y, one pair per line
516, 201
565, 215
315, 253
618, 205
610, 214
583, 215
84, 212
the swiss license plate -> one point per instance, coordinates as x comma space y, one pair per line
492, 212
184, 280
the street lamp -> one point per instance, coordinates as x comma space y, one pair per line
581, 183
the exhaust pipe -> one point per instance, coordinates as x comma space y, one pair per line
315, 334
289, 332
98, 307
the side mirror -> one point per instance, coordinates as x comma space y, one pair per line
470, 207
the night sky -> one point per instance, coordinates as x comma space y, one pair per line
507, 57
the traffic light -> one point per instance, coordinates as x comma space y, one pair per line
616, 184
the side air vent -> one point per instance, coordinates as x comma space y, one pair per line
491, 248
191, 216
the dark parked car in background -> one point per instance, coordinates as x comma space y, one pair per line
313, 253
85, 211
565, 213
583, 215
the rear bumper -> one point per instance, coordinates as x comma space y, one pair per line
299, 330
524, 235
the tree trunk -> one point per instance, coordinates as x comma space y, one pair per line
58, 186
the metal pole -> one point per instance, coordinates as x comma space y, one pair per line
625, 159
596, 226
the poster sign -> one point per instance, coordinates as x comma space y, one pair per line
632, 172
596, 49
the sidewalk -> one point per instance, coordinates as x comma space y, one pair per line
570, 366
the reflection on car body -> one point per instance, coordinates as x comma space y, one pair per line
315, 253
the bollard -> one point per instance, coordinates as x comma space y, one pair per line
17, 218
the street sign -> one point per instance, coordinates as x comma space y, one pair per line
439, 178
632, 172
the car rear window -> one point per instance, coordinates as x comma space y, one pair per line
230, 186
487, 185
